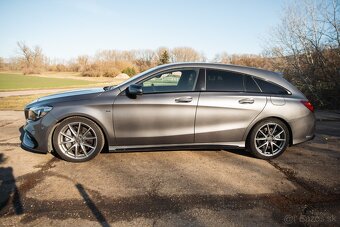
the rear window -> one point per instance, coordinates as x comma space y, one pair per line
270, 88
217, 80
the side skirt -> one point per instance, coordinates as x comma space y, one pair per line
167, 147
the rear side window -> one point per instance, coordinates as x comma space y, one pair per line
217, 80
250, 85
270, 88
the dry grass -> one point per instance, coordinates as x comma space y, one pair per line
17, 102
75, 76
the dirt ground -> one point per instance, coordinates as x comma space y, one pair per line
173, 188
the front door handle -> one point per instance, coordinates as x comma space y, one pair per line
183, 99
246, 101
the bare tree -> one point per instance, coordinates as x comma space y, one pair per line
222, 58
32, 59
2, 63
307, 42
83, 63
185, 54
144, 59
331, 17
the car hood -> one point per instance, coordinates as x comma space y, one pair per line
67, 96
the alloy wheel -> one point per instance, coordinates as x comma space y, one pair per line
270, 139
77, 140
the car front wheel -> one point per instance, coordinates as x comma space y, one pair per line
78, 139
268, 139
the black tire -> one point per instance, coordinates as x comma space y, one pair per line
251, 143
97, 132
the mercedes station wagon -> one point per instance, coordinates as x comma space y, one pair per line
174, 106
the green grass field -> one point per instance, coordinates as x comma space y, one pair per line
10, 82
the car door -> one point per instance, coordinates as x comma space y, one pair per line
226, 107
163, 114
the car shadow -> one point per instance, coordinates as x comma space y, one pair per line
241, 152
9, 192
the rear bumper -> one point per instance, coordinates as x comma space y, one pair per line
303, 128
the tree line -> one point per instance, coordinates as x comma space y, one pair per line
304, 46
107, 63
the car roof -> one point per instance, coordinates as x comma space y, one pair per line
235, 68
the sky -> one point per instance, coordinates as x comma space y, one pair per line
65, 29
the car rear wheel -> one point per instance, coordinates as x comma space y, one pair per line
78, 139
268, 139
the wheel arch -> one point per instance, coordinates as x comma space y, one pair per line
102, 128
266, 118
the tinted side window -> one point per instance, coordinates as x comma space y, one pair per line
250, 85
270, 88
223, 81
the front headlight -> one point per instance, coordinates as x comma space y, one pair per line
35, 113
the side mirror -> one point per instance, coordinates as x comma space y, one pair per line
134, 89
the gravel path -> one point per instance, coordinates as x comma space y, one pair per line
174, 188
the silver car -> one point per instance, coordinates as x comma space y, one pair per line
183, 105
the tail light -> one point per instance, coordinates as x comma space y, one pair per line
308, 105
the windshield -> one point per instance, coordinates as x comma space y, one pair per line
131, 79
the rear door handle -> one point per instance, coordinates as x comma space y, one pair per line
246, 101
183, 99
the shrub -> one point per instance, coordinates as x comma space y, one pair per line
91, 73
29, 70
129, 71
111, 72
